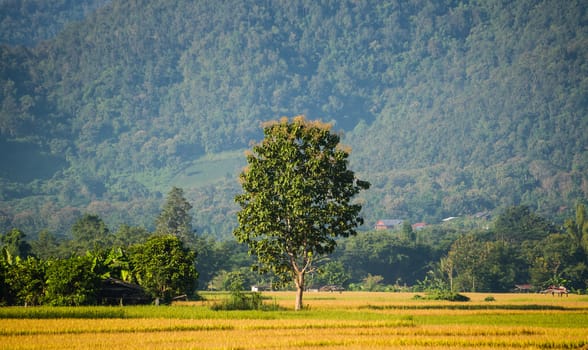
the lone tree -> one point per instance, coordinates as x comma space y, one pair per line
297, 198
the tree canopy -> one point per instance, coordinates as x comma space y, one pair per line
175, 218
164, 267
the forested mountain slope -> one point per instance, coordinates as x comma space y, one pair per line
451, 107
27, 22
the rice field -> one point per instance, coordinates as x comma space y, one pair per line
348, 320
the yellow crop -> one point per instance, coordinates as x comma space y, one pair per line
331, 321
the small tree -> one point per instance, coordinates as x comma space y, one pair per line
518, 224
72, 281
164, 267
297, 199
46, 246
175, 218
5, 294
577, 228
90, 233
129, 235
407, 232
26, 280
333, 273
15, 243
465, 259
372, 282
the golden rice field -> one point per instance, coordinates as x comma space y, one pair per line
348, 320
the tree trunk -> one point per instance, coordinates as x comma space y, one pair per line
299, 290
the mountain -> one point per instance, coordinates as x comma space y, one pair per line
451, 107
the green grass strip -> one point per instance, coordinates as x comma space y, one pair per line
46, 312
469, 307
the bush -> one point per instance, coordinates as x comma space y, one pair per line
446, 295
240, 301
71, 282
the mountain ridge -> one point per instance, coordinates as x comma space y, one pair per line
450, 107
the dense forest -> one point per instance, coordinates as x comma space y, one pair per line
452, 108
27, 22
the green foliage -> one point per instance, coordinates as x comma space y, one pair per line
72, 282
452, 108
431, 283
117, 264
296, 200
46, 246
30, 21
556, 259
474, 264
332, 273
502, 267
164, 267
90, 233
16, 244
437, 289
466, 257
408, 232
175, 218
519, 223
446, 295
377, 260
26, 281
127, 235
371, 283
522, 249
577, 228
6, 297
216, 258
238, 299
139, 96
386, 254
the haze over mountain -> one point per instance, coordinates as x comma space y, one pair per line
451, 107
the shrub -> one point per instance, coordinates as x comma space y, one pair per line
71, 282
446, 295
240, 301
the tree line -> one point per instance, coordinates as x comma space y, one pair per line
48, 272
466, 254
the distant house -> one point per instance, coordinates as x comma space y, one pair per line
449, 218
388, 224
419, 226
260, 288
116, 292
